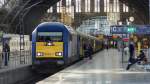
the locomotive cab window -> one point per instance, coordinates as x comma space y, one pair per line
49, 36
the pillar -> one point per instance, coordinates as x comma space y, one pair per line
102, 6
54, 18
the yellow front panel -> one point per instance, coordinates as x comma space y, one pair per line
49, 51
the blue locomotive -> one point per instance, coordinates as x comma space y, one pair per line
56, 43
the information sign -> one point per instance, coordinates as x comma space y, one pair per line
125, 29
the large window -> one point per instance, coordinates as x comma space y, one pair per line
125, 8
111, 6
50, 10
118, 7
1, 2
59, 6
115, 6
97, 6
78, 5
87, 6
106, 6
68, 6
49, 36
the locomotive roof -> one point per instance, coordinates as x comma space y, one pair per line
55, 26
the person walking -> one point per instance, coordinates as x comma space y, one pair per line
131, 51
90, 51
106, 45
140, 58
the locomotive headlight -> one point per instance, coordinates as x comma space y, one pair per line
49, 44
39, 54
58, 53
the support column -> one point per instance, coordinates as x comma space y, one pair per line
92, 5
54, 14
83, 6
120, 7
102, 6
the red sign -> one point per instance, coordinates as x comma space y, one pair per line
125, 39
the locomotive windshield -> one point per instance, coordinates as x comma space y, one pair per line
49, 36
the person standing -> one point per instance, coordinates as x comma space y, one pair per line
106, 44
131, 51
6, 53
131, 56
88, 50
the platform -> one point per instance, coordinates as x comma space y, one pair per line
105, 68
17, 68
15, 60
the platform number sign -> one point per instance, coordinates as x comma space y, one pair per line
127, 29
117, 30
114, 29
131, 29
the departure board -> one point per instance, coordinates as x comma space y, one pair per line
126, 29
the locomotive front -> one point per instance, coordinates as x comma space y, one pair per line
47, 45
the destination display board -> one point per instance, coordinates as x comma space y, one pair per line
143, 29
116, 29
49, 33
125, 29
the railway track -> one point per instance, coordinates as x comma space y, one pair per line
37, 77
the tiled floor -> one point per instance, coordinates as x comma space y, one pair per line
105, 68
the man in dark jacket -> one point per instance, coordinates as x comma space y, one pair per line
6, 53
88, 50
141, 57
131, 51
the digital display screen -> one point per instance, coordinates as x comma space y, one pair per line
49, 33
